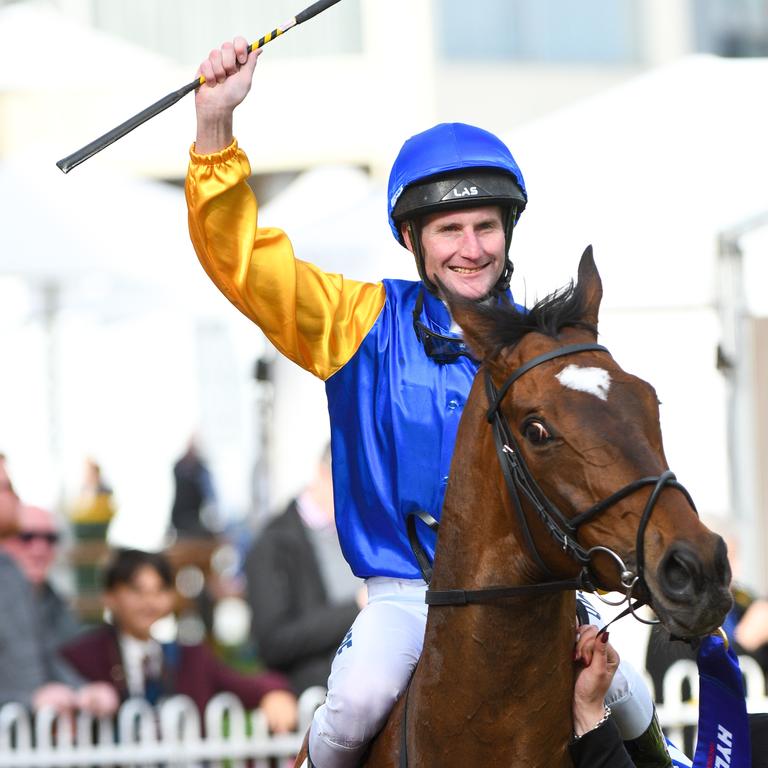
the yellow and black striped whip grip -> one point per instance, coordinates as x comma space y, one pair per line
66, 164
271, 36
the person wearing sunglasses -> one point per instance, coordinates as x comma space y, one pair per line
34, 548
31, 670
396, 371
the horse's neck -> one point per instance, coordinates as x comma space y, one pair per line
498, 676
495, 682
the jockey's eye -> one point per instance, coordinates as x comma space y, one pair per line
536, 432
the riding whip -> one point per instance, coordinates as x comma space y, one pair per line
71, 161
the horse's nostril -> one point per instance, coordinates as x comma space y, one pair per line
678, 576
681, 573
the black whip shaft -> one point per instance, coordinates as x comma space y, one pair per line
66, 164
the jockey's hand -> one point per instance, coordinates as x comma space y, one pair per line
100, 699
228, 73
56, 696
281, 710
596, 664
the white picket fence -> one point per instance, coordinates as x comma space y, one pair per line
141, 735
173, 734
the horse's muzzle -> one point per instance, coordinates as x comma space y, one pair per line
694, 594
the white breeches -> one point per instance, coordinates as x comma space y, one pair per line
376, 659
370, 670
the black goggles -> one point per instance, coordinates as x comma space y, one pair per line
440, 348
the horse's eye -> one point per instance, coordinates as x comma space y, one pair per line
536, 433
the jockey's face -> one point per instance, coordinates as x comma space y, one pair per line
465, 250
137, 605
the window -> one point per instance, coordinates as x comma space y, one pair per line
557, 31
186, 30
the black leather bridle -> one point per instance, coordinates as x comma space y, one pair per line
522, 485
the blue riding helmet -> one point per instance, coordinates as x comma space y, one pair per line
448, 167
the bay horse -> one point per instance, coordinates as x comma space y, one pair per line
568, 485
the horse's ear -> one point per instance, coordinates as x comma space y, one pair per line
590, 284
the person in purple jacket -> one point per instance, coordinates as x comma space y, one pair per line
138, 592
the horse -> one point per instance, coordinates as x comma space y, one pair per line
558, 481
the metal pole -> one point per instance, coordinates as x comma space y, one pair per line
735, 360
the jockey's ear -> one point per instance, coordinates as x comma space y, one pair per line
589, 281
406, 234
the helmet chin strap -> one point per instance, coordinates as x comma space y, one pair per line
503, 282
501, 285
414, 235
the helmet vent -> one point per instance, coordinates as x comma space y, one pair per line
465, 189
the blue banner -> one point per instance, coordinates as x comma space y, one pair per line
723, 740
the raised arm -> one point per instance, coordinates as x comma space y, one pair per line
228, 73
318, 320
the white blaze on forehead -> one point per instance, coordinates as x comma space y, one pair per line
595, 381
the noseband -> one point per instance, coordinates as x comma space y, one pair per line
522, 485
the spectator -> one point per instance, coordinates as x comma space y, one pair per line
91, 515
750, 631
194, 498
31, 672
138, 592
34, 549
302, 594
95, 506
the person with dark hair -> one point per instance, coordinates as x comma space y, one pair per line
194, 497
139, 592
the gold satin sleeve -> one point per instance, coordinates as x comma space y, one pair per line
314, 318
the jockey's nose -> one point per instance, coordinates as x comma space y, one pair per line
470, 245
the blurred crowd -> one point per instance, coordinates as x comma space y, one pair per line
109, 638
93, 652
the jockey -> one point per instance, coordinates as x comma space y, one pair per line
396, 372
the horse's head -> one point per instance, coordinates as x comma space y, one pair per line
590, 442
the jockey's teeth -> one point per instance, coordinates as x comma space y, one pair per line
466, 270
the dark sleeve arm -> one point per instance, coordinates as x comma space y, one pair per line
600, 748
283, 634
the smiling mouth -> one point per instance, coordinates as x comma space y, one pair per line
467, 270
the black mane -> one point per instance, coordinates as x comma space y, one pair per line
504, 324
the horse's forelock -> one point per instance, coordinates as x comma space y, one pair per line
505, 325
